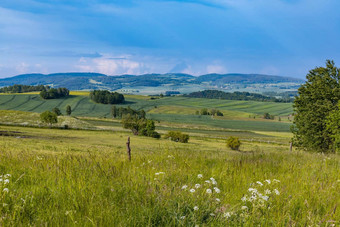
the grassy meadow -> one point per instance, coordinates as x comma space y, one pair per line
83, 178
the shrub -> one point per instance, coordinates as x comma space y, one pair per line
49, 117
177, 136
57, 111
234, 143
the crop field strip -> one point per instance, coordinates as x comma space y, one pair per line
237, 112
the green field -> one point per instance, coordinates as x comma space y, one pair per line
238, 114
83, 178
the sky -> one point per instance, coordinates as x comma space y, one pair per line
114, 37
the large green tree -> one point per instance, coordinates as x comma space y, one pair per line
316, 99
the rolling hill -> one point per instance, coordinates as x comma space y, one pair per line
158, 83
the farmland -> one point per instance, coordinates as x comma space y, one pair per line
237, 114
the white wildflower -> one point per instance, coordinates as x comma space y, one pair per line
159, 173
207, 181
227, 215
1, 180
244, 198
192, 190
182, 217
217, 190
265, 198
218, 200
268, 181
212, 215
209, 191
244, 208
7, 175
213, 182
196, 208
252, 190
6, 181
276, 181
199, 175
259, 183
212, 179
5, 190
197, 185
184, 187
267, 192
276, 192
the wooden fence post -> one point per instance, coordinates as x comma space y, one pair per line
128, 148
291, 147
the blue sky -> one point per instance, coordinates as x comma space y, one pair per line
279, 37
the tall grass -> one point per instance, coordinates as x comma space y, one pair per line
83, 178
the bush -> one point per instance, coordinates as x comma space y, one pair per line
57, 111
49, 117
177, 136
234, 143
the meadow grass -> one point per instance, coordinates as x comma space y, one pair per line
83, 178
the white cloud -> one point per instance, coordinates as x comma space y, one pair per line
112, 65
216, 69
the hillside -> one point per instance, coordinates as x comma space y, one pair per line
157, 83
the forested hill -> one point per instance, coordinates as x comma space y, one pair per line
215, 94
82, 81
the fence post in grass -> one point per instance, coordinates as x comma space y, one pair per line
291, 147
128, 148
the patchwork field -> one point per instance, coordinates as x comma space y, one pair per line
243, 115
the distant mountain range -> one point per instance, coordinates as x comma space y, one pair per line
134, 83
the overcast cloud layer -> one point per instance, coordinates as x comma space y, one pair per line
281, 37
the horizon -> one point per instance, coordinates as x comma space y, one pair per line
196, 37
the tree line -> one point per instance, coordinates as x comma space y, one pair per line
106, 97
55, 93
246, 96
19, 88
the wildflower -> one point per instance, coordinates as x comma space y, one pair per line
267, 192
199, 175
212, 179
244, 208
149, 161
207, 181
244, 198
268, 181
197, 185
7, 175
259, 183
155, 178
159, 173
182, 217
276, 192
184, 187
209, 191
213, 182
6, 181
192, 190
276, 181
217, 190
227, 215
265, 198
212, 215
5, 190
252, 190
218, 200
196, 208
